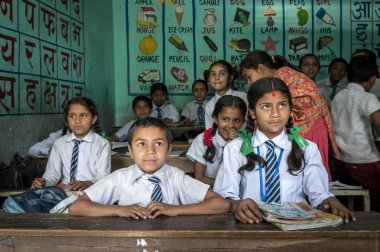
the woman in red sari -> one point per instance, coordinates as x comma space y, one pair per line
309, 112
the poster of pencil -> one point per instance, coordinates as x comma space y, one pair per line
175, 41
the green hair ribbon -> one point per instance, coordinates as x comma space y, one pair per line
294, 136
246, 146
104, 135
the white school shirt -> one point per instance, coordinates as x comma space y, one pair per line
376, 88
351, 111
131, 186
211, 105
198, 149
167, 111
94, 159
123, 131
190, 111
311, 182
325, 88
43, 148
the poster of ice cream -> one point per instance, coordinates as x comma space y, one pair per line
175, 41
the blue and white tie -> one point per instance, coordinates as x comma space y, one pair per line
159, 115
201, 113
157, 193
74, 159
272, 178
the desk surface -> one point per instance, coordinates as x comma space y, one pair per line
60, 232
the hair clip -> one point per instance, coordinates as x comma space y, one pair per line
207, 137
294, 136
246, 146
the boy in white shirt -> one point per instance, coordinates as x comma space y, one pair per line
355, 115
194, 111
149, 187
142, 107
162, 109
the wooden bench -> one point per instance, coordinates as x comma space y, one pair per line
350, 193
219, 232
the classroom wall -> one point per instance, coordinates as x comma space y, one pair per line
105, 75
20, 131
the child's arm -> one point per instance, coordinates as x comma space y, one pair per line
114, 138
83, 206
334, 206
199, 173
43, 148
246, 211
213, 203
38, 183
79, 185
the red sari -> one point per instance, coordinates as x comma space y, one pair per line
310, 112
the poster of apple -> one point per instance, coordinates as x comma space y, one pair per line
175, 41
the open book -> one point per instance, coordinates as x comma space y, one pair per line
295, 216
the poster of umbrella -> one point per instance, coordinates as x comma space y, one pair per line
324, 42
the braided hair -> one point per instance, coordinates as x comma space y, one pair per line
257, 90
227, 101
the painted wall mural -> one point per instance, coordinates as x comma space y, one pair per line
42, 55
174, 41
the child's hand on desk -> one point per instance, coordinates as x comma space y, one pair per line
246, 211
334, 206
79, 185
134, 211
38, 183
158, 208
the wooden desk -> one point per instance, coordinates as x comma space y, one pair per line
177, 131
350, 193
60, 232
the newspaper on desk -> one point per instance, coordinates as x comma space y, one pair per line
296, 216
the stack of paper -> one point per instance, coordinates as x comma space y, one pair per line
296, 216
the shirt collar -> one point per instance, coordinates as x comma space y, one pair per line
281, 140
161, 107
160, 173
229, 92
219, 140
355, 86
88, 138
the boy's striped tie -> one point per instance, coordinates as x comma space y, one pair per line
74, 159
159, 115
201, 113
272, 178
157, 193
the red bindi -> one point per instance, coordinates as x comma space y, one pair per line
274, 93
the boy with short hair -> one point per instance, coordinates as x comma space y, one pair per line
194, 111
355, 115
310, 66
142, 107
150, 187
